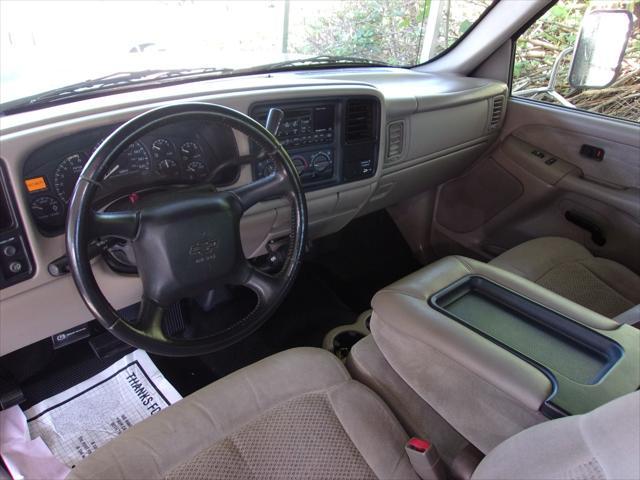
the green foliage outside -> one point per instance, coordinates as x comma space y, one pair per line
391, 31
558, 29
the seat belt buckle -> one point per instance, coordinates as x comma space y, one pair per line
425, 459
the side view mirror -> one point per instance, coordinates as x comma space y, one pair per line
598, 53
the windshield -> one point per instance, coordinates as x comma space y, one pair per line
50, 44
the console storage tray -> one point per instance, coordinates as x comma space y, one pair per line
587, 366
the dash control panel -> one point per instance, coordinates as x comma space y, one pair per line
16, 263
329, 141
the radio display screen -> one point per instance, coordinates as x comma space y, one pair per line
323, 118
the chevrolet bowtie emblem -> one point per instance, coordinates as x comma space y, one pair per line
204, 250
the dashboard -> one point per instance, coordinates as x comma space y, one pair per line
330, 142
361, 140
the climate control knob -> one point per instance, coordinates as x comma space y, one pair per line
300, 163
321, 163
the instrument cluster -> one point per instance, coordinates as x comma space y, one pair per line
185, 153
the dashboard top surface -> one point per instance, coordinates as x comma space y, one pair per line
404, 91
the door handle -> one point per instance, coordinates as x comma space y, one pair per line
597, 234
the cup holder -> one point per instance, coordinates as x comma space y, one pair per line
343, 342
340, 340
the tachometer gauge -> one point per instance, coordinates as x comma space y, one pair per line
133, 160
192, 159
165, 156
48, 211
66, 175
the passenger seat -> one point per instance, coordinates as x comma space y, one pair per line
569, 269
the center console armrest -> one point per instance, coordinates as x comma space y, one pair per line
487, 390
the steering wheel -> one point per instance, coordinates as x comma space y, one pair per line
186, 240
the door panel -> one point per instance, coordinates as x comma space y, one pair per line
539, 156
562, 131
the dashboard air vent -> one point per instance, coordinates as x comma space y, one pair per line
359, 121
395, 140
497, 108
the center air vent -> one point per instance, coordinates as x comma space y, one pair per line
497, 107
395, 140
359, 121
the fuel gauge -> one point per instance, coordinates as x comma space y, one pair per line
48, 211
194, 162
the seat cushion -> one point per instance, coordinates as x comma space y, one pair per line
600, 445
296, 414
569, 269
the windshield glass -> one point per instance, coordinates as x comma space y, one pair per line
49, 44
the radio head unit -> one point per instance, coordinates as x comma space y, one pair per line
329, 141
313, 125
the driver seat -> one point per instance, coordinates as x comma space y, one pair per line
298, 414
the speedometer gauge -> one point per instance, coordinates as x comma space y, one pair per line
66, 175
133, 160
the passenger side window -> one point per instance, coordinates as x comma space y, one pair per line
583, 55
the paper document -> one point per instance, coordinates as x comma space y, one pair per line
76, 422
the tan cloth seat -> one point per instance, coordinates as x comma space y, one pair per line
297, 414
570, 270
603, 444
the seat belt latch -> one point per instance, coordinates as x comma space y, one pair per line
425, 459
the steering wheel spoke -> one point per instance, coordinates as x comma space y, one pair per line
273, 186
122, 224
150, 318
265, 286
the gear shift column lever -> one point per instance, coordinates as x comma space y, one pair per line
274, 117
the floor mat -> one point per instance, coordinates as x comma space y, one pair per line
77, 421
66, 367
